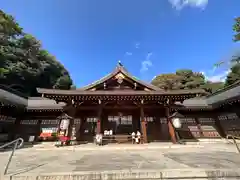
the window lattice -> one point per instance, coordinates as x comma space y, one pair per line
163, 120
231, 116
187, 120
2, 117
149, 119
8, 119
222, 117
29, 122
120, 120
126, 120
50, 121
77, 121
113, 118
206, 120
91, 119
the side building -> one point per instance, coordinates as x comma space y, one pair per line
124, 104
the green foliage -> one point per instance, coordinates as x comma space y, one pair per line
185, 79
24, 65
236, 29
166, 81
234, 75
212, 87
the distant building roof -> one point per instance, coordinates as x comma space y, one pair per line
9, 96
223, 95
12, 97
43, 103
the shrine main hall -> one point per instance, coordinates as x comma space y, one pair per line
123, 104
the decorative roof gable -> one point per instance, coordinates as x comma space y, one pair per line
120, 74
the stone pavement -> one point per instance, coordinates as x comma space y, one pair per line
152, 161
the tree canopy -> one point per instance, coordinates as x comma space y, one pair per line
234, 74
24, 64
185, 79
236, 29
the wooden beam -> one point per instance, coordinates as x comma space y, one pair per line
71, 112
143, 125
83, 107
99, 121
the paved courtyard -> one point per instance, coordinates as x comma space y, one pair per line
98, 159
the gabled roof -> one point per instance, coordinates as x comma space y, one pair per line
9, 96
225, 94
213, 100
12, 97
120, 69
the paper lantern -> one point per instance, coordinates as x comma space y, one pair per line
64, 124
176, 123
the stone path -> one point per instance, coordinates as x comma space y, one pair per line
34, 161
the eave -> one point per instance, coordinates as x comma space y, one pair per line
118, 92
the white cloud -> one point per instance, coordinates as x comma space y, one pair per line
180, 4
128, 53
137, 45
216, 77
146, 64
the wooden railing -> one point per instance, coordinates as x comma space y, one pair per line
17, 143
234, 140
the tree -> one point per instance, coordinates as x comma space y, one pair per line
236, 29
234, 75
166, 81
24, 64
185, 79
212, 87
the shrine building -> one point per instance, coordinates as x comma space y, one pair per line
123, 104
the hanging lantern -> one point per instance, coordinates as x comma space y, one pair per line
64, 124
177, 123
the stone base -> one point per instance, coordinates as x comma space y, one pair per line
192, 174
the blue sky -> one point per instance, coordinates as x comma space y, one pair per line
150, 37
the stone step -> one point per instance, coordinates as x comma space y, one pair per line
177, 174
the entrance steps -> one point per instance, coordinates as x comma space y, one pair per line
177, 174
154, 145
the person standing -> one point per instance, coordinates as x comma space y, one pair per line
138, 137
133, 137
